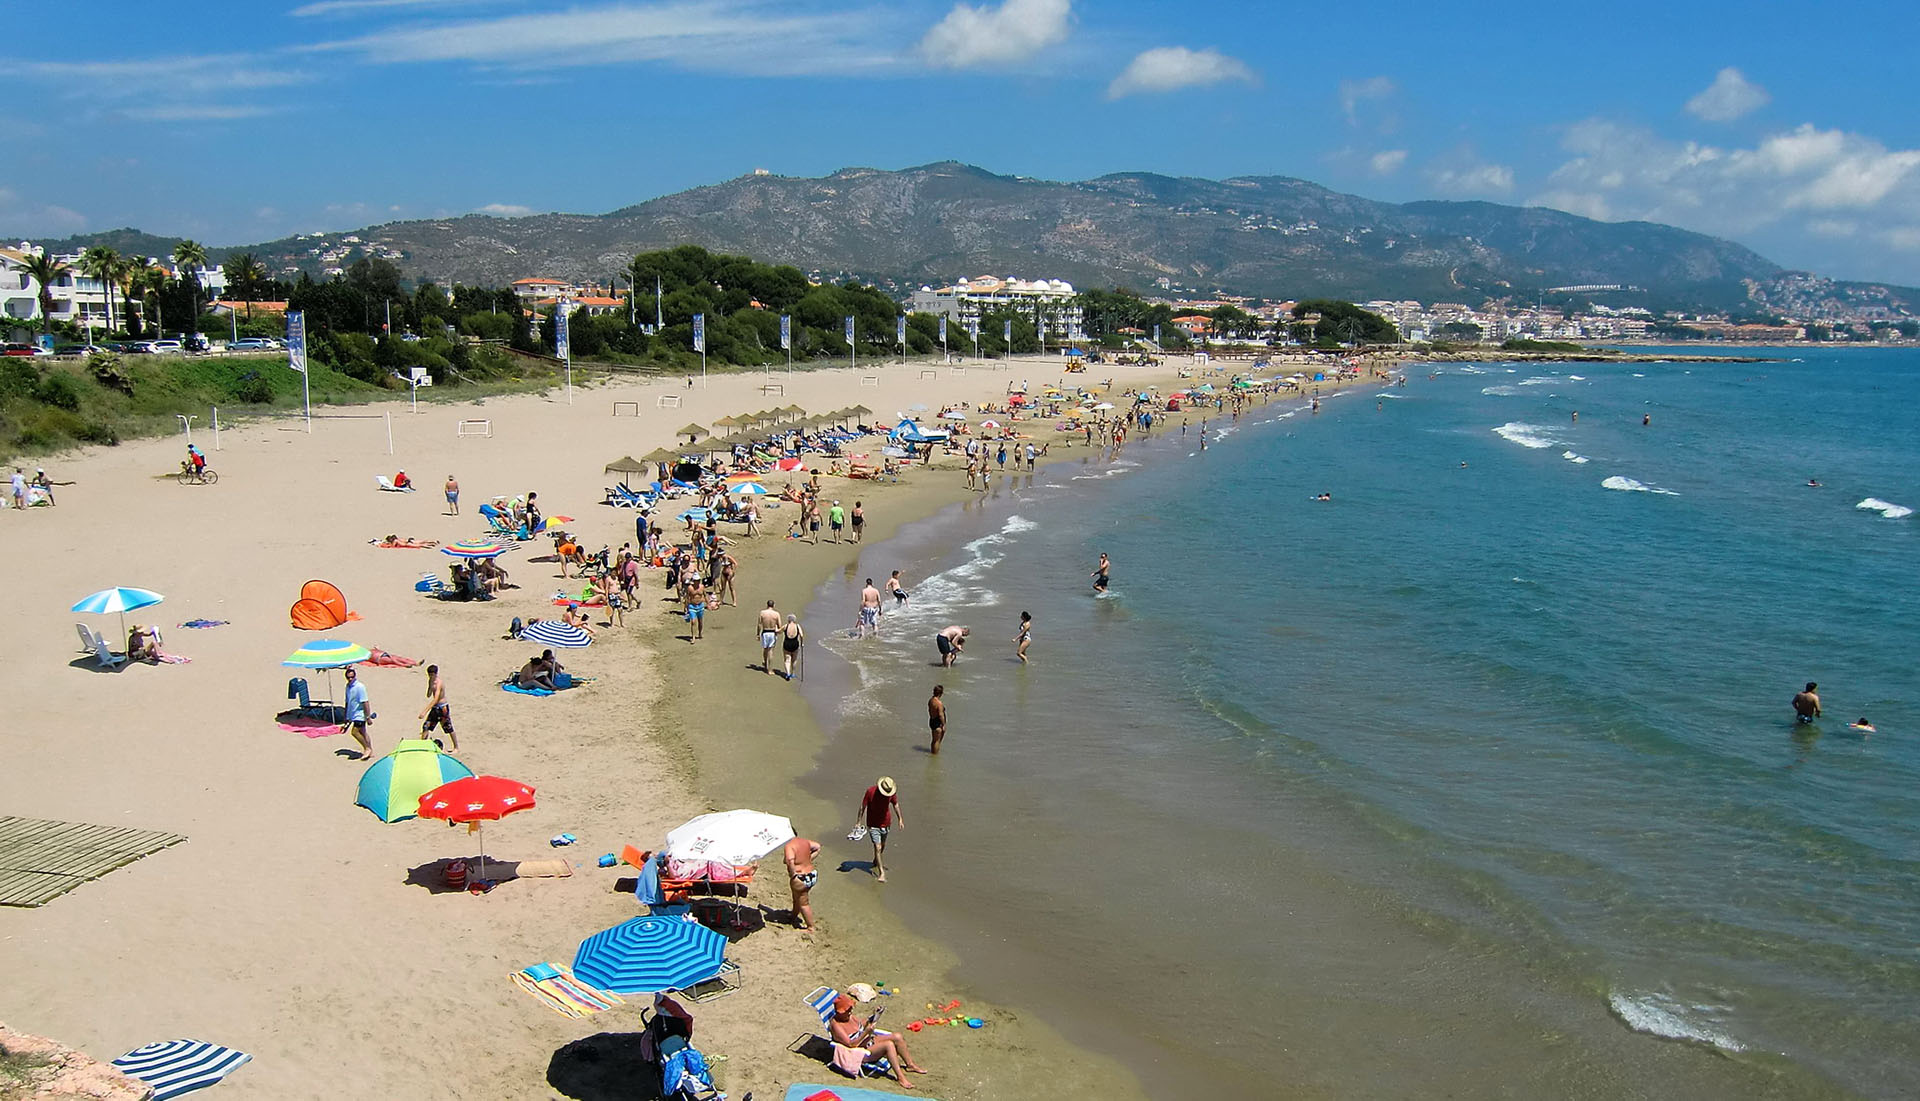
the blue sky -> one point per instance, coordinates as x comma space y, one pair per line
1787, 127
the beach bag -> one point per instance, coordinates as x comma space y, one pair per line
514, 628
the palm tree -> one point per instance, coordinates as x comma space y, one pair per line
245, 273
44, 269
124, 273
153, 284
102, 263
191, 256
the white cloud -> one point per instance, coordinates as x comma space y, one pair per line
194, 112
712, 35
1014, 31
340, 7
1355, 92
505, 210
1472, 178
1903, 237
1387, 161
30, 219
1730, 96
177, 76
1172, 67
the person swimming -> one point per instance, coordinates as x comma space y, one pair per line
1813, 482
1861, 724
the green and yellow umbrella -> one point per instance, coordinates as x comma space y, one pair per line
392, 786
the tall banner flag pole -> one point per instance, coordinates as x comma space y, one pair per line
659, 322
853, 355
1040, 331
700, 343
786, 340
1156, 336
900, 335
562, 343
297, 358
945, 356
973, 327
1006, 334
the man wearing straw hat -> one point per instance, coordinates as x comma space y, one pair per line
880, 812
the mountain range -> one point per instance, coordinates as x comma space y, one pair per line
1264, 236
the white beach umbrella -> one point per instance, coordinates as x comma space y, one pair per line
729, 837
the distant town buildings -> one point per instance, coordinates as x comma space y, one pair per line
1051, 301
77, 298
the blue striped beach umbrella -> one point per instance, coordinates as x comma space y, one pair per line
476, 548
552, 632
120, 600
174, 1067
649, 954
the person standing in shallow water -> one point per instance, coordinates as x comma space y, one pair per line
1101, 573
937, 717
1806, 704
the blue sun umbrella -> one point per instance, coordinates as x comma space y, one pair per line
392, 786
120, 600
552, 632
650, 954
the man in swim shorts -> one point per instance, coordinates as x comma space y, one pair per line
937, 717
801, 876
869, 610
893, 586
950, 641
878, 809
1806, 704
769, 635
696, 608
837, 520
437, 713
453, 496
1101, 573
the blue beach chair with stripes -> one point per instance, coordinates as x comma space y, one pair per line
815, 1046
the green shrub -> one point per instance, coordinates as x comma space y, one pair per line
60, 390
250, 389
17, 378
99, 432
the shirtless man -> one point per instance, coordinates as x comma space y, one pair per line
436, 712
1806, 704
950, 641
869, 610
937, 717
696, 608
801, 876
769, 636
893, 586
1101, 573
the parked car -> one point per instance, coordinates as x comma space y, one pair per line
197, 342
19, 350
166, 347
251, 344
74, 349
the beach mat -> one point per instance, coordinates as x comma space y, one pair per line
551, 868
813, 1091
310, 724
511, 687
555, 987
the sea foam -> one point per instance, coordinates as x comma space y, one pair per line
1658, 1015
1526, 435
1573, 458
1501, 391
1885, 508
1630, 485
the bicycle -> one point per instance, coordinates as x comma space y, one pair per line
189, 476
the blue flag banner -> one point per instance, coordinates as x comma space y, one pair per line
1040, 329
900, 330
973, 328
849, 330
786, 331
297, 341
943, 328
561, 346
699, 332
1156, 334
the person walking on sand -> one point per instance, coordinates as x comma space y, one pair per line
726, 567
937, 717
1102, 573
696, 609
792, 637
436, 712
837, 520
1024, 638
769, 636
359, 713
950, 641
859, 520
1806, 704
801, 876
869, 610
453, 496
879, 809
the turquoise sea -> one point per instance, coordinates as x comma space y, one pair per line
1479, 779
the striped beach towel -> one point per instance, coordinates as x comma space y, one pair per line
556, 988
174, 1067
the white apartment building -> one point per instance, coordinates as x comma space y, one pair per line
78, 298
965, 301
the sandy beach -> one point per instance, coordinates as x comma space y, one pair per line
295, 926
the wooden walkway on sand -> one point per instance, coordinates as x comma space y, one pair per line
40, 859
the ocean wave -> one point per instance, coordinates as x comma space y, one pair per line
1630, 485
1573, 458
1576, 378
1885, 508
1389, 394
1501, 391
1526, 435
1659, 1015
1541, 380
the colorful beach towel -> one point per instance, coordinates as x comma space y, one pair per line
171, 659
556, 988
314, 723
564, 680
205, 623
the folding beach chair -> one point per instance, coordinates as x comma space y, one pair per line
90, 641
383, 483
814, 1046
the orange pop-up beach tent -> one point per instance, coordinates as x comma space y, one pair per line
321, 607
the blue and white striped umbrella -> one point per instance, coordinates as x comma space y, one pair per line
552, 632
174, 1067
650, 954
118, 600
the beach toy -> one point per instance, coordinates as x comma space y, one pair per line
914, 1026
562, 839
975, 1022
608, 860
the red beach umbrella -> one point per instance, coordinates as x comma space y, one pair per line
476, 799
